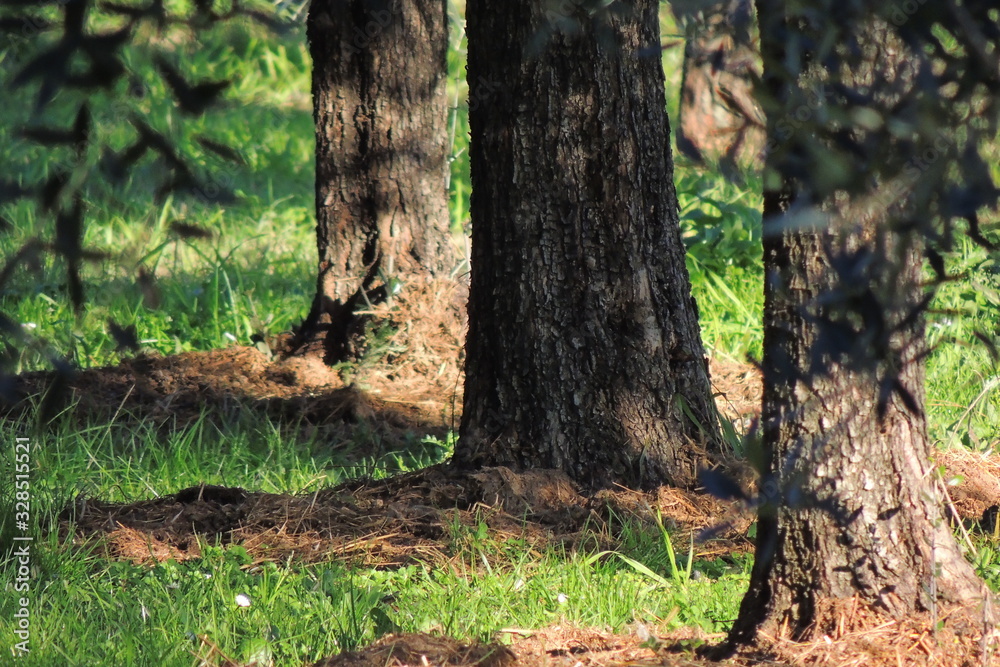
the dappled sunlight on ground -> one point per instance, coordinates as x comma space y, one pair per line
412, 384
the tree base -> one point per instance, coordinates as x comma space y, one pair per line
413, 341
853, 631
426, 317
334, 331
332, 344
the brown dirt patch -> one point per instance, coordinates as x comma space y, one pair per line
852, 633
386, 523
220, 384
422, 649
424, 366
554, 646
738, 388
849, 633
570, 646
973, 481
412, 382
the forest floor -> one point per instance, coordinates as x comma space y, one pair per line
412, 517
408, 518
386, 522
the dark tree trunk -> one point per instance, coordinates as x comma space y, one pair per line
380, 106
858, 510
719, 120
853, 505
583, 352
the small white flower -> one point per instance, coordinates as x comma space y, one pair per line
519, 584
242, 600
29, 325
562, 599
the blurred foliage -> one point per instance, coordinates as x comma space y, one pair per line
881, 119
100, 74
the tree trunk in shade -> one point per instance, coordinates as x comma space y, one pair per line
852, 505
380, 106
583, 352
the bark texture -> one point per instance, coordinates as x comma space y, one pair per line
853, 508
380, 106
584, 352
718, 118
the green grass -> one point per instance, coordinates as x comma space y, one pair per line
88, 610
256, 275
963, 382
125, 461
721, 227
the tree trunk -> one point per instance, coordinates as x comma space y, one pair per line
380, 106
852, 505
719, 120
583, 350
858, 510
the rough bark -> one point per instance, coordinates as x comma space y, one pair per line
853, 508
718, 118
380, 107
583, 352
858, 511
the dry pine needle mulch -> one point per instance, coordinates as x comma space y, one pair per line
852, 633
391, 522
412, 517
849, 633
